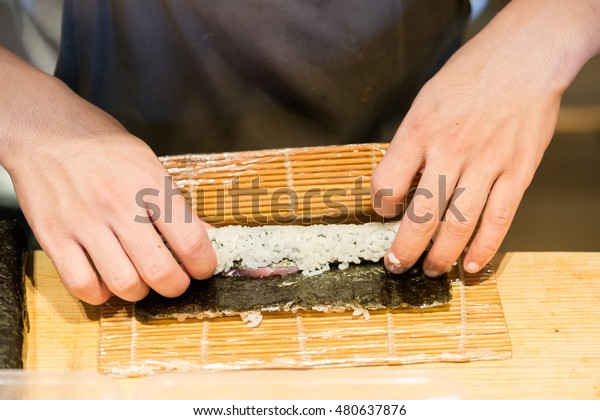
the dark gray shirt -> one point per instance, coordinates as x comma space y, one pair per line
203, 76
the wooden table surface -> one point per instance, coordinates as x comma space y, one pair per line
551, 303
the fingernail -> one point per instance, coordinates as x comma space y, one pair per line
393, 264
432, 272
473, 267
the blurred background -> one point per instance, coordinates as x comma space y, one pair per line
560, 210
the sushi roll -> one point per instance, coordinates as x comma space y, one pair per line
326, 268
13, 311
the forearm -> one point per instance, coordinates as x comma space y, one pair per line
77, 173
549, 40
23, 89
35, 106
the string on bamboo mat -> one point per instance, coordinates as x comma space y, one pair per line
471, 327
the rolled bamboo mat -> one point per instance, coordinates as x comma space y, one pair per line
293, 186
470, 327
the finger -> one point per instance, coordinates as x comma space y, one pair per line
77, 274
458, 223
393, 177
115, 268
187, 237
420, 219
499, 212
153, 260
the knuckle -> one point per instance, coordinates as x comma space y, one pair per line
419, 229
417, 122
492, 232
382, 185
53, 232
80, 285
498, 218
489, 245
159, 272
127, 284
466, 207
167, 278
193, 243
124, 276
520, 172
457, 229
422, 216
111, 196
424, 208
441, 260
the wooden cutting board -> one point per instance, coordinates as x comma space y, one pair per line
551, 303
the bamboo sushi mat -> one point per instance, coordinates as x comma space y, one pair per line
471, 327
295, 186
289, 186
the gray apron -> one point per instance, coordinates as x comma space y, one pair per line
208, 76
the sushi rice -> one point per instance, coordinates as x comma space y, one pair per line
311, 248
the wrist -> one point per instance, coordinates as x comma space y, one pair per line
574, 27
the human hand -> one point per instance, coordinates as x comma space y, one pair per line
477, 132
80, 198
97, 199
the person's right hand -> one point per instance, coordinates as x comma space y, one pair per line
90, 191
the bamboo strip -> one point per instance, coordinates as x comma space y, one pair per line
275, 169
283, 335
250, 180
262, 158
250, 201
358, 166
350, 185
276, 210
284, 339
257, 157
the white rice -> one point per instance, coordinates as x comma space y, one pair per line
311, 248
251, 319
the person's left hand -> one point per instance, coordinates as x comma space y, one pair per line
477, 132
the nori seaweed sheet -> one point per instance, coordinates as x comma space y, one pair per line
13, 311
367, 285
